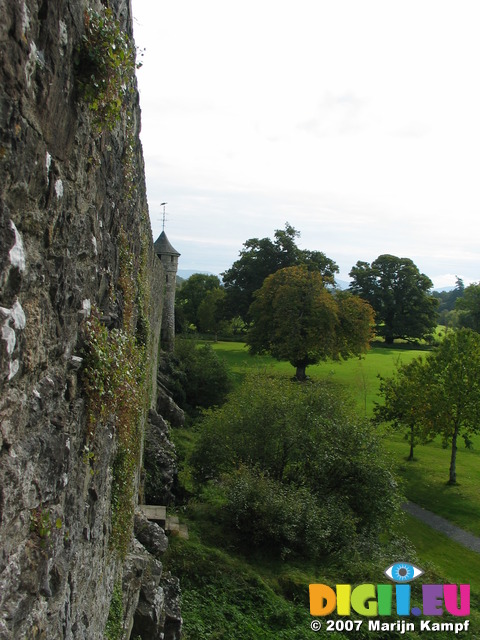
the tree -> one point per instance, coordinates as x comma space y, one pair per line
210, 313
469, 307
402, 393
192, 293
260, 258
295, 318
194, 375
399, 295
440, 395
447, 301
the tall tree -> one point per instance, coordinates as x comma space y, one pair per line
441, 394
210, 313
295, 318
192, 293
403, 393
260, 258
469, 307
399, 294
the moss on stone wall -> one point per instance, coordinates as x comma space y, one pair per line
106, 68
115, 382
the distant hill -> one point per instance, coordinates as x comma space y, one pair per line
186, 273
342, 284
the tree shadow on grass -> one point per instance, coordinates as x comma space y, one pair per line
442, 498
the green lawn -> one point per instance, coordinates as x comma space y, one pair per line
359, 374
229, 595
425, 478
458, 565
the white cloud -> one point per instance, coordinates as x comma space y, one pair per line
357, 122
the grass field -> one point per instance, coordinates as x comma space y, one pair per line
438, 550
229, 594
424, 479
360, 375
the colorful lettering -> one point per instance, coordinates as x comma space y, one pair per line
450, 596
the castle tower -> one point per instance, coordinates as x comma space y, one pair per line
169, 258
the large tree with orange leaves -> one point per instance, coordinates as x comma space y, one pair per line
296, 318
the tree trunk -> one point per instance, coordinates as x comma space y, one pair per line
300, 374
453, 459
412, 442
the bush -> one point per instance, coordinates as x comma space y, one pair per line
283, 517
311, 474
197, 377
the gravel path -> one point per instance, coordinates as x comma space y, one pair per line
444, 526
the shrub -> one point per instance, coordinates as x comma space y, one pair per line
197, 377
283, 517
321, 469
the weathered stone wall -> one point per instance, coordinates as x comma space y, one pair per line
67, 190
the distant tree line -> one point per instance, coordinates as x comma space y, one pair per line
460, 308
251, 301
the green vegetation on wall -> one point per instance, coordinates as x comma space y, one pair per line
106, 67
114, 626
115, 381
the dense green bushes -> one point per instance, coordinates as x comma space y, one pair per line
299, 471
197, 377
285, 517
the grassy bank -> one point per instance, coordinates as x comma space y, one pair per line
228, 594
360, 375
237, 593
424, 479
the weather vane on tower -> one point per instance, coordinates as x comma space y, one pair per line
164, 215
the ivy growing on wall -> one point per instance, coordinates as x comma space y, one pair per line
114, 626
115, 381
106, 67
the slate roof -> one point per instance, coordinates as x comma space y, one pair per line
162, 246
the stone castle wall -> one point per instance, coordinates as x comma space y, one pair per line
74, 232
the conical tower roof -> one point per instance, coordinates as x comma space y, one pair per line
163, 247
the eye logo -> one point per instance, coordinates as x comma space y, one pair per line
403, 572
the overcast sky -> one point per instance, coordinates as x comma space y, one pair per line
357, 121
